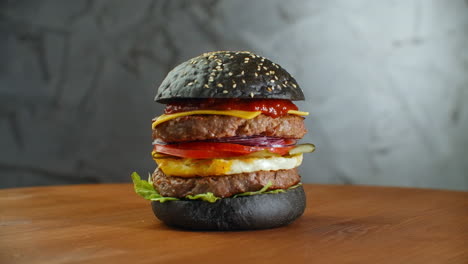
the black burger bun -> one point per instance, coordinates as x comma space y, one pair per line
241, 213
226, 74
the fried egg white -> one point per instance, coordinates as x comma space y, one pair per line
218, 167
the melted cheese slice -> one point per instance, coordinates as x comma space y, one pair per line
219, 167
236, 113
299, 113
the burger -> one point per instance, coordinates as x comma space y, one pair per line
226, 145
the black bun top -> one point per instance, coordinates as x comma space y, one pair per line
241, 213
228, 74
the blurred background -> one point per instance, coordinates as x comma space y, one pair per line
386, 83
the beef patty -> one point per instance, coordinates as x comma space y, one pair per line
201, 127
223, 186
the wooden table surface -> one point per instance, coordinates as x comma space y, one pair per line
109, 223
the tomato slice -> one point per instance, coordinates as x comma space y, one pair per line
204, 150
280, 150
193, 153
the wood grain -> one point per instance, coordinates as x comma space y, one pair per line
342, 224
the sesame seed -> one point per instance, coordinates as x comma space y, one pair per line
225, 91
295, 86
206, 86
230, 73
269, 89
234, 85
256, 74
272, 80
190, 83
242, 73
284, 85
265, 68
243, 81
219, 85
258, 68
210, 79
267, 73
276, 77
251, 95
277, 66
272, 72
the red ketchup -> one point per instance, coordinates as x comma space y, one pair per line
270, 107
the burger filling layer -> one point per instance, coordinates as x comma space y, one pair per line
224, 186
224, 148
203, 127
217, 167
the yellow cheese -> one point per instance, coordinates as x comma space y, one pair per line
194, 167
219, 167
236, 113
299, 113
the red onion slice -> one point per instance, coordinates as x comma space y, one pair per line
260, 141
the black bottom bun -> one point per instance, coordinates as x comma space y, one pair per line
242, 213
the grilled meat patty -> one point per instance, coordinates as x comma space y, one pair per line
223, 186
202, 127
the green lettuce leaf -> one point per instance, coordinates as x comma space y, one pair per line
276, 191
207, 197
146, 190
262, 190
265, 188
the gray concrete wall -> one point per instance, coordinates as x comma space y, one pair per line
386, 82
